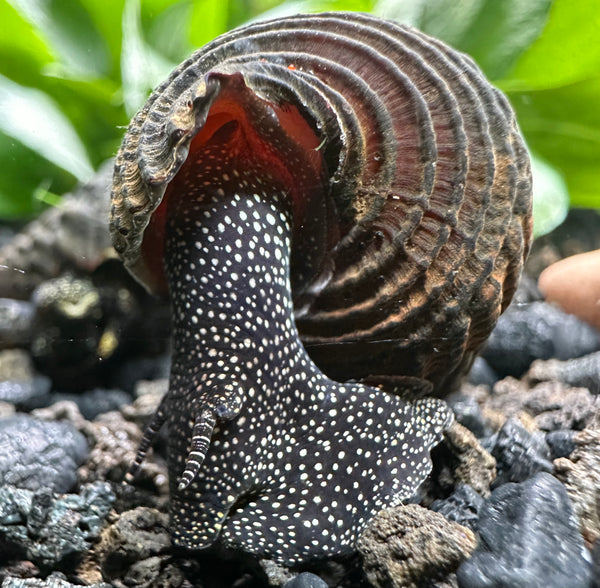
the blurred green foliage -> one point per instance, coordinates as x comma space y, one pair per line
72, 72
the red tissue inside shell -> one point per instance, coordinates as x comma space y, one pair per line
265, 137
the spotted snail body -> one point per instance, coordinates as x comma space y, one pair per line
325, 198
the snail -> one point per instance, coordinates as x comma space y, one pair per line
339, 208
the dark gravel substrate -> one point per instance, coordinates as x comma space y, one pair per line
512, 500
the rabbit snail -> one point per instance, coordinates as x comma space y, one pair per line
326, 198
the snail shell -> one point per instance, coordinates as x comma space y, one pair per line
409, 241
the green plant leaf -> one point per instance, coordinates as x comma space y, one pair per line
494, 32
568, 51
95, 110
142, 67
93, 105
562, 125
31, 117
168, 32
107, 18
209, 19
76, 70
23, 53
24, 172
69, 30
550, 197
297, 6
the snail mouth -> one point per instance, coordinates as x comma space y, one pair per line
257, 136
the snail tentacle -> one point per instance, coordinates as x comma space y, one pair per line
151, 432
201, 434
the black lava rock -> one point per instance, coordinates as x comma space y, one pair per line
67, 329
561, 443
26, 394
596, 565
482, 373
579, 232
20, 385
7, 233
305, 580
468, 414
536, 331
527, 290
47, 529
529, 537
55, 580
132, 371
16, 317
462, 506
38, 454
519, 454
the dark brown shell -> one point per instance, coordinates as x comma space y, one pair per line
427, 175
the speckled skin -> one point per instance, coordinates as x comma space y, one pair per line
297, 464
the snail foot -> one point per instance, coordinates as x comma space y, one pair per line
305, 480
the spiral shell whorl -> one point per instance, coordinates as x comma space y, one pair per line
428, 185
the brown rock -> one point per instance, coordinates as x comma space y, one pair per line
409, 547
64, 410
553, 405
88, 569
116, 442
15, 364
574, 284
152, 572
579, 372
461, 459
277, 575
581, 475
148, 396
19, 569
6, 409
137, 535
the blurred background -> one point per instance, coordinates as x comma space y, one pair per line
73, 72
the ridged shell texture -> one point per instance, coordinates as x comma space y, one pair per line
427, 184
